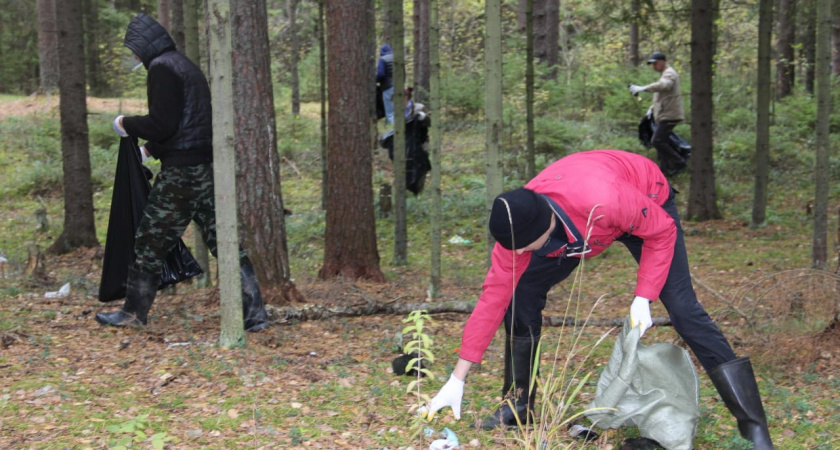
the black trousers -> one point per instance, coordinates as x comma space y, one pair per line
670, 159
690, 319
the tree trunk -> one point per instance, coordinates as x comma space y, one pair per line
79, 226
702, 200
293, 37
835, 39
821, 171
322, 94
547, 34
762, 129
809, 47
177, 19
400, 225
263, 231
434, 149
163, 14
493, 106
786, 63
421, 52
350, 235
220, 28
530, 152
95, 80
47, 46
635, 18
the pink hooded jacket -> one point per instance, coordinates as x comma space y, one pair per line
606, 194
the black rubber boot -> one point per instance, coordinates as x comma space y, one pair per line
253, 309
140, 290
520, 355
735, 382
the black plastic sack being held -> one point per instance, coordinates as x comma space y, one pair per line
131, 189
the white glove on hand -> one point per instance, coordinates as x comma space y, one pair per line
450, 395
144, 154
640, 314
118, 127
636, 89
649, 113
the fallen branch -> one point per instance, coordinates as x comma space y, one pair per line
285, 314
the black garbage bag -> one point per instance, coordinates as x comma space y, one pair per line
417, 163
131, 189
646, 129
380, 104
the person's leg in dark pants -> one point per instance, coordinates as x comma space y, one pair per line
523, 326
671, 161
733, 377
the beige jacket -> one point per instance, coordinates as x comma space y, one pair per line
667, 99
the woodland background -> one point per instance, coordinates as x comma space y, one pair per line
321, 376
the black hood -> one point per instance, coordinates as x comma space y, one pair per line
147, 38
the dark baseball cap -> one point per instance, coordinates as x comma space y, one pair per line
656, 56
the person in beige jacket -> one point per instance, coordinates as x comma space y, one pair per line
667, 112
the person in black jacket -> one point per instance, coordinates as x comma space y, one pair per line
179, 131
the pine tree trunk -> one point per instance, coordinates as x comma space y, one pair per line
47, 46
400, 220
177, 19
786, 63
95, 80
322, 94
421, 52
702, 200
493, 106
821, 170
79, 226
530, 151
163, 12
633, 50
232, 330
809, 43
350, 237
434, 149
762, 131
263, 224
293, 37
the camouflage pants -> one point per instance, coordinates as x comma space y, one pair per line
179, 195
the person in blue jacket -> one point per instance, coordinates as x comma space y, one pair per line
385, 78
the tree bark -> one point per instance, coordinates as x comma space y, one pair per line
702, 200
400, 220
95, 79
493, 107
835, 39
220, 29
163, 14
47, 46
322, 94
79, 226
762, 128
786, 62
177, 19
263, 230
547, 34
530, 151
434, 150
809, 43
821, 170
350, 236
293, 37
635, 18
421, 52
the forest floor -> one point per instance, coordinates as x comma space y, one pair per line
68, 382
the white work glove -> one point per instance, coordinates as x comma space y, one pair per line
650, 112
640, 314
449, 395
118, 126
636, 89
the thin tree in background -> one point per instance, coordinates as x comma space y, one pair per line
322, 94
702, 199
350, 236
292, 6
400, 220
259, 194
219, 27
493, 106
635, 19
762, 124
178, 32
190, 15
546, 16
79, 226
434, 148
785, 48
821, 171
421, 52
47, 46
531, 157
835, 38
163, 13
809, 43
95, 79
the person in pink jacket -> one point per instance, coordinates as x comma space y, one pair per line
576, 208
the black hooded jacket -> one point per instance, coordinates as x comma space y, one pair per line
179, 126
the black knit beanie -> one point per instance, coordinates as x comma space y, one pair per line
518, 218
